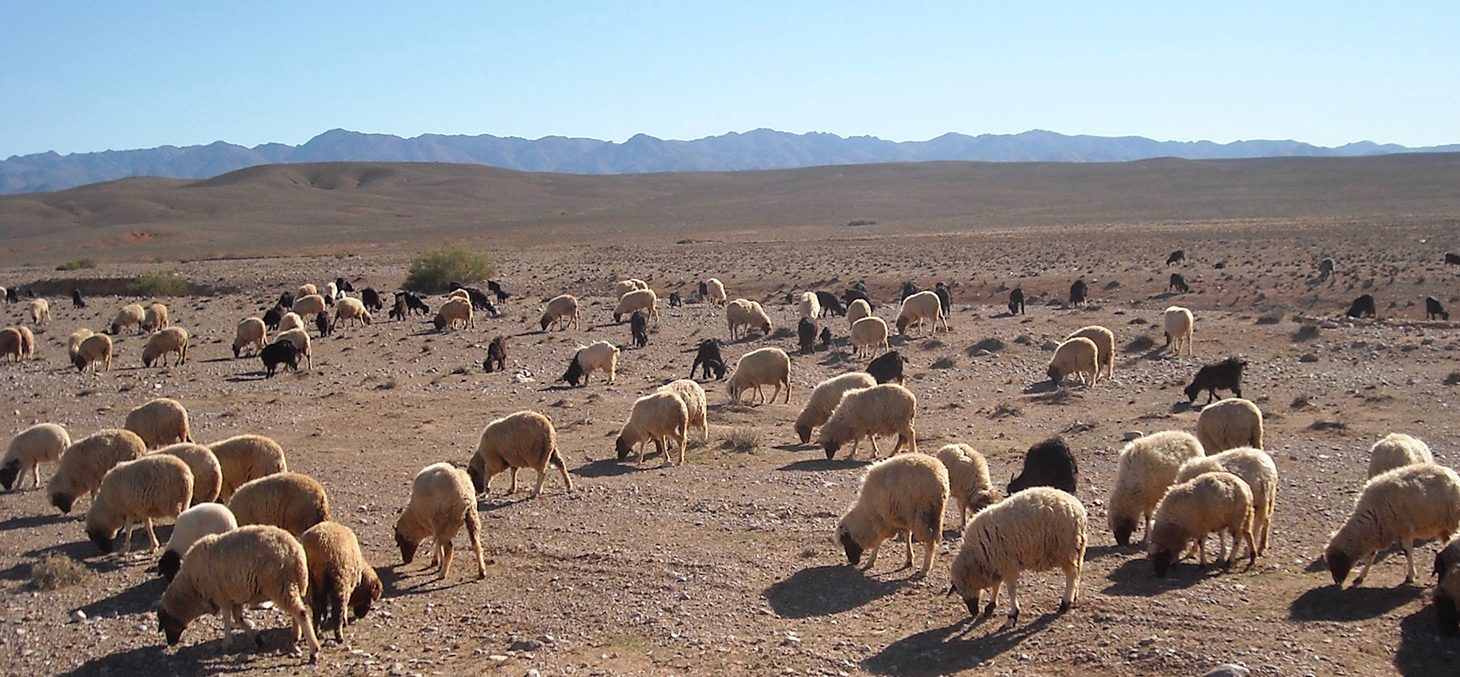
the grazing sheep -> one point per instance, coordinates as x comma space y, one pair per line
596, 356
244, 458
824, 399
301, 342
639, 328
918, 308
290, 320
1034, 530
281, 351
1406, 503
271, 318
637, 300
767, 366
201, 520
323, 324
40, 443
1147, 467
1447, 591
1255, 468
309, 305
748, 314
27, 342
169, 340
714, 292
224, 572
338, 573
675, 300
886, 409
1079, 293
351, 309
708, 356
306, 289
968, 480
478, 298
76, 300
888, 367
86, 462
857, 310
869, 333
945, 299
1078, 356
496, 354
1452, 259
250, 333
661, 418
40, 311
92, 349
154, 318
1104, 341
371, 299
291, 501
1177, 323
830, 304
1325, 268
155, 486
810, 305
1229, 423
1362, 306
286, 300
159, 422
207, 472
525, 439
1178, 284
130, 315
1397, 450
1224, 375
73, 343
695, 403
825, 338
1211, 502
623, 287
1016, 301
12, 344
453, 311
1434, 309
442, 502
1176, 257
806, 336
904, 494
1047, 464
562, 310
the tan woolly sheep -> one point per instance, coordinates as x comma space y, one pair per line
1147, 467
919, 308
1037, 529
454, 310
695, 403
1397, 450
1212, 502
869, 333
639, 299
251, 333
169, 340
562, 311
155, 317
715, 292
1255, 468
352, 309
290, 320
824, 399
968, 480
27, 343
40, 443
11, 344
88, 349
857, 310
1104, 341
224, 572
130, 315
1224, 424
1177, 323
886, 409
749, 314
767, 366
300, 339
40, 311
525, 439
86, 462
201, 520
1406, 503
1076, 356
442, 502
306, 289
625, 286
596, 356
289, 500
245, 458
661, 418
309, 306
159, 422
904, 494
156, 486
809, 307
338, 573
207, 472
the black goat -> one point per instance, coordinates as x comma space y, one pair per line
1224, 375
496, 355
496, 290
323, 324
371, 299
1363, 306
286, 301
272, 317
414, 303
1079, 293
887, 368
709, 356
1178, 284
639, 328
478, 298
830, 304
12, 295
1016, 301
945, 298
1452, 259
76, 299
1325, 268
704, 290
1047, 464
398, 311
675, 300
1447, 613
852, 295
806, 334
1176, 257
826, 338
909, 288
342, 286
1433, 309
277, 353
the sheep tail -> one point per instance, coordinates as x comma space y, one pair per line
473, 526
556, 460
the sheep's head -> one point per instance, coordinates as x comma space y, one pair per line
1016, 484
235, 351
366, 593
79, 362
766, 328
623, 447
63, 501
148, 358
1339, 563
545, 321
902, 323
169, 565
171, 626
1122, 526
478, 480
850, 544
9, 473
406, 545
1162, 559
574, 374
115, 329
102, 538
1055, 374
617, 317
718, 367
1192, 391
803, 430
440, 322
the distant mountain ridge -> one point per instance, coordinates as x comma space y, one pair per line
757, 149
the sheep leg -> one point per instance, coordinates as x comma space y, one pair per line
1072, 586
1013, 585
150, 535
872, 555
337, 608
875, 451
127, 541
446, 552
294, 606
1251, 548
1201, 549
35, 470
908, 538
541, 477
512, 489
1365, 571
474, 534
1408, 546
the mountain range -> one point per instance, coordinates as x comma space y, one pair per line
753, 150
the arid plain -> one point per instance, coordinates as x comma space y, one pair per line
727, 565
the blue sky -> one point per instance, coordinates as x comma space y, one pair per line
90, 76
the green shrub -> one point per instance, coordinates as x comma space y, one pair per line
157, 283
75, 264
432, 271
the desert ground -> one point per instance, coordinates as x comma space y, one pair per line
727, 565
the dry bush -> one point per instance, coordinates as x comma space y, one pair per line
991, 344
1271, 317
156, 283
1006, 408
946, 362
1307, 332
432, 272
742, 440
55, 571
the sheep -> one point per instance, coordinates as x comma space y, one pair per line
76, 300
1447, 591
1452, 259
695, 404
749, 314
1078, 356
1224, 424
290, 320
919, 308
309, 305
459, 293
286, 300
306, 289
1146, 468
291, 501
271, 319
825, 338
945, 299
1049, 463
1104, 341
596, 356
85, 462
623, 287
323, 325
497, 291
441, 502
207, 472
1177, 323
223, 572
1176, 257
708, 357
1016, 301
130, 315
1178, 284
1079, 293
331, 293
244, 458
1255, 468
496, 354
1397, 450
1224, 375
250, 333
92, 349
159, 421
300, 339
806, 336
904, 494
155, 486
886, 409
1363, 306
660, 417
1434, 309
453, 311
351, 309
525, 439
1034, 530
154, 318
639, 328
909, 288
281, 351
201, 520
830, 304
857, 310
371, 299
169, 340
40, 311
40, 443
824, 399
639, 299
888, 367
338, 573
968, 480
810, 306
12, 344
767, 366
562, 310
675, 300
1411, 502
869, 333
27, 342
1211, 502
714, 292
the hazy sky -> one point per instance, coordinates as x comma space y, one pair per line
89, 76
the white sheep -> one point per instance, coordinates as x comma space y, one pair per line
639, 299
1104, 341
338, 573
625, 286
824, 399
918, 308
12, 344
905, 494
454, 310
290, 320
596, 356
1213, 502
749, 314
250, 333
661, 418
695, 403
331, 291
40, 443
159, 421
525, 439
1146, 468
244, 458
1229, 423
870, 333
886, 409
309, 306
130, 315
300, 339
86, 462
1406, 503
353, 309
306, 289
766, 366
1037, 529
169, 340
968, 480
1255, 468
1177, 323
561, 310
155, 317
289, 500
715, 292
858, 309
442, 502
1397, 450
809, 307
201, 520
155, 486
40, 311
27, 342
1077, 356
224, 572
207, 471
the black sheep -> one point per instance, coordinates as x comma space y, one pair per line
1016, 301
709, 356
342, 286
1176, 257
12, 295
1047, 464
272, 317
496, 355
806, 334
675, 300
322, 323
1433, 309
1325, 268
887, 368
1452, 259
826, 338
496, 290
639, 328
371, 299
1079, 293
1224, 375
945, 298
909, 288
830, 305
1363, 306
854, 294
76, 299
286, 300
398, 311
277, 353
1178, 284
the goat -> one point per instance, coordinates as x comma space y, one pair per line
806, 333
1224, 375
1434, 309
496, 355
1178, 284
709, 357
1363, 306
1016, 301
1079, 293
1176, 257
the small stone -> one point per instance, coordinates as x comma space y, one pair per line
1132, 435
78, 615
1228, 670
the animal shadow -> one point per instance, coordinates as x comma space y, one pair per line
1332, 603
1416, 653
608, 467
823, 464
943, 651
826, 590
1136, 578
